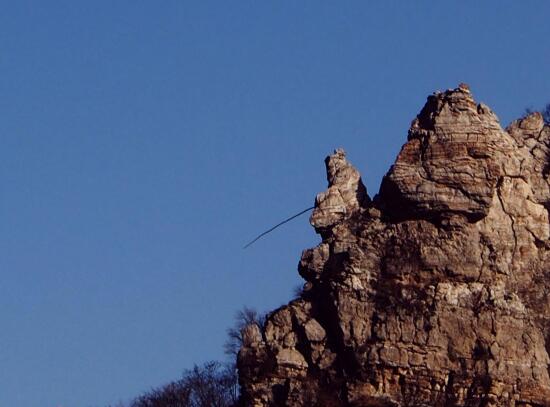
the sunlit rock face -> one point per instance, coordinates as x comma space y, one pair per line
433, 293
452, 161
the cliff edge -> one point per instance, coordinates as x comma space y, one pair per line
433, 293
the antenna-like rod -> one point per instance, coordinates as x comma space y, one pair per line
276, 226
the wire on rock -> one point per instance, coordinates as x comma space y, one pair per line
276, 226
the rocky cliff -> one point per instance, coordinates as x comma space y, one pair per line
433, 293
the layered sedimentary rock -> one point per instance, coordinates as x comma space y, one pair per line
433, 293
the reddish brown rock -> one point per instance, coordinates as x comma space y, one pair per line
435, 293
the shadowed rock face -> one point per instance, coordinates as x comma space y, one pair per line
435, 293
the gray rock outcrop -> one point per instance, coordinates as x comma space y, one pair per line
435, 292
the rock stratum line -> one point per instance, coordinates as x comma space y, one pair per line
433, 293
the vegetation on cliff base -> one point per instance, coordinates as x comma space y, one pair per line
213, 384
209, 385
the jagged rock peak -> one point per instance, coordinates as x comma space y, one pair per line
437, 292
451, 162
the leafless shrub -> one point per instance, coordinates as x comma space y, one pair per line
210, 385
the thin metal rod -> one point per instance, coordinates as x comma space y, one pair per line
276, 226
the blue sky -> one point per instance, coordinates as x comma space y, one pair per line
144, 143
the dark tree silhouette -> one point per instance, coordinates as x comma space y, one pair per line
210, 385
546, 114
175, 394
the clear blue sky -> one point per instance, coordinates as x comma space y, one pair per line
143, 143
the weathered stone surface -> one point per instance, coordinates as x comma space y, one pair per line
345, 194
452, 161
435, 293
